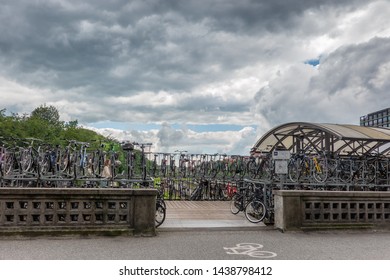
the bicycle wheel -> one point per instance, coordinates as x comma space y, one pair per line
293, 171
160, 214
25, 160
252, 169
8, 164
44, 165
222, 192
96, 164
235, 204
370, 173
255, 211
320, 173
64, 162
162, 202
344, 171
266, 169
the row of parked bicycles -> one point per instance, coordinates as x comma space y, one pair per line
310, 167
192, 189
303, 167
368, 169
31, 159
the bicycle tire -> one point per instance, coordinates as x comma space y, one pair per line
255, 211
64, 162
8, 164
234, 204
44, 166
162, 203
222, 193
160, 214
293, 172
320, 173
370, 174
344, 171
26, 160
266, 169
252, 169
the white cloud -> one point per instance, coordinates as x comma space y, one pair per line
169, 139
19, 98
350, 82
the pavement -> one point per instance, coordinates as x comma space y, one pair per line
210, 215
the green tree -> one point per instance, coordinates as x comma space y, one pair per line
48, 114
44, 123
10, 125
72, 124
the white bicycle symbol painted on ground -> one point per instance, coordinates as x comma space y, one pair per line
250, 249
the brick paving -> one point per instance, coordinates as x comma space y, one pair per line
210, 210
204, 214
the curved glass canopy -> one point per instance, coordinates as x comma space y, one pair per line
340, 139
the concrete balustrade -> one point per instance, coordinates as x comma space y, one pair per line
308, 210
58, 211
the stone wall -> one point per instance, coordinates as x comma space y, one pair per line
305, 210
57, 211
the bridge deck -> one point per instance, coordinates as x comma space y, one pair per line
204, 214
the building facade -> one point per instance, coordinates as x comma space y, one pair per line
376, 119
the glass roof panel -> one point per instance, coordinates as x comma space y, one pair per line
348, 138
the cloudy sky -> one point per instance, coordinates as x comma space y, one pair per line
201, 76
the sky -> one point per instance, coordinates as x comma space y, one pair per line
197, 76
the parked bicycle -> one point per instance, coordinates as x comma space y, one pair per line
161, 208
237, 166
240, 199
183, 162
260, 167
255, 210
249, 200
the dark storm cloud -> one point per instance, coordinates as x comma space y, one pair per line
356, 67
250, 15
118, 47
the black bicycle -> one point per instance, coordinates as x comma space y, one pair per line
255, 210
240, 199
161, 208
249, 200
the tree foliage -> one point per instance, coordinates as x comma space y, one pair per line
48, 115
44, 123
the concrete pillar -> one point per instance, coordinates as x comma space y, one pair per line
144, 212
288, 210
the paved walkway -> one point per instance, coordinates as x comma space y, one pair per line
186, 215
